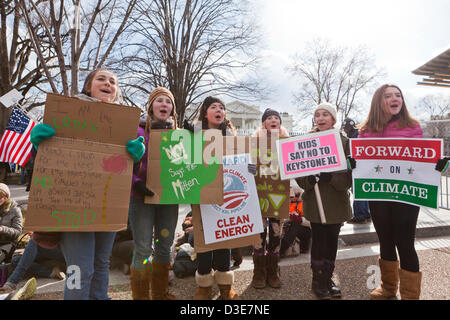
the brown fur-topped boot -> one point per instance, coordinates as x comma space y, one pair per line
273, 271
410, 283
224, 281
140, 283
259, 272
389, 281
160, 282
204, 285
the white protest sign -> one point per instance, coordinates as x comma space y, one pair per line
397, 169
240, 214
11, 98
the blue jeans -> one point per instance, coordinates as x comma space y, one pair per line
361, 209
88, 252
28, 262
143, 219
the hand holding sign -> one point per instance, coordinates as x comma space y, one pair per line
41, 132
442, 164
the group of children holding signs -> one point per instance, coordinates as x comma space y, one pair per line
153, 225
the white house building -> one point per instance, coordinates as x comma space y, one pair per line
247, 119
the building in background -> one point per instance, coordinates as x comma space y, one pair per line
247, 119
438, 127
437, 74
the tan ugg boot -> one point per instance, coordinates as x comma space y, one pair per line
273, 271
410, 283
160, 282
140, 283
259, 272
389, 281
204, 285
224, 281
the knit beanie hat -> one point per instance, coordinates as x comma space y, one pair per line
329, 107
270, 112
161, 91
209, 101
5, 189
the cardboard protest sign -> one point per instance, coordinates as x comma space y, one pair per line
311, 154
179, 171
82, 176
237, 201
273, 193
397, 169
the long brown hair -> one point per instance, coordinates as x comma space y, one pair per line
378, 116
88, 83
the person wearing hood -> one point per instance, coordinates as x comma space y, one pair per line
10, 222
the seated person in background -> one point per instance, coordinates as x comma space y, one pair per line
42, 258
185, 262
10, 222
122, 251
295, 228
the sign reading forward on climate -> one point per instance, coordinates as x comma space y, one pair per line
397, 169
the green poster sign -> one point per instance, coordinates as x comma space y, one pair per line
397, 190
183, 172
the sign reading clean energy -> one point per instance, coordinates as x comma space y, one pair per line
240, 214
397, 169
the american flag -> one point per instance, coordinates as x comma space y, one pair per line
15, 145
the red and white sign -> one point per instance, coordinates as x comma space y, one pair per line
239, 215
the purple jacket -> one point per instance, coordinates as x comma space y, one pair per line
140, 174
391, 131
140, 168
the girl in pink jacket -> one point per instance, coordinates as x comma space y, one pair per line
394, 222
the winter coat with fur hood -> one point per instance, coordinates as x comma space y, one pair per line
11, 222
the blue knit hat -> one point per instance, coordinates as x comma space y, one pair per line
270, 112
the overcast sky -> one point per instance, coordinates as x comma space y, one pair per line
401, 34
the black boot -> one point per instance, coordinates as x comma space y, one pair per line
334, 290
319, 283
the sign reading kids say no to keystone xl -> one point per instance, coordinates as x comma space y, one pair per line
397, 170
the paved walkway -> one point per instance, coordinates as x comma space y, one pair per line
358, 250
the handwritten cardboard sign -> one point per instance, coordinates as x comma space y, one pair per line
273, 193
82, 176
178, 170
311, 154
397, 169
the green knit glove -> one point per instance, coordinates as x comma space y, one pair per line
136, 148
40, 132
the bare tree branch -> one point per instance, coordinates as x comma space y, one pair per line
334, 74
194, 47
